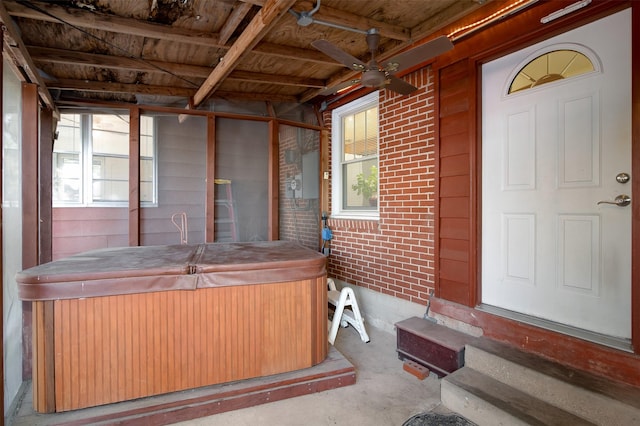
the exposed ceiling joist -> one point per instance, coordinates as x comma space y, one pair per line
144, 89
71, 57
351, 20
124, 51
255, 31
129, 88
240, 10
100, 21
18, 51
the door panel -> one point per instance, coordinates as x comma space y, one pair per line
550, 154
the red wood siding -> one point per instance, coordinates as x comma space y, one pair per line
455, 234
80, 229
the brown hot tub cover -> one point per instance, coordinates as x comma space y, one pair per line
128, 270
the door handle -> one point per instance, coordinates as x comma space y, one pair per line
620, 201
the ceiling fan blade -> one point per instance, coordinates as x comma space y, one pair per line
418, 54
334, 89
400, 86
339, 55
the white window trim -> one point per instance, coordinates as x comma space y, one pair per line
360, 104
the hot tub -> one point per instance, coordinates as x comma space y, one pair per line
123, 323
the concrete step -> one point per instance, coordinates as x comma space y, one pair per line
593, 398
486, 401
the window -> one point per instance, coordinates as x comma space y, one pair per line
551, 66
355, 159
91, 160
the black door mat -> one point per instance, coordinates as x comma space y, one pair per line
434, 419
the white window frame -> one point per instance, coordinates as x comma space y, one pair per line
86, 180
337, 210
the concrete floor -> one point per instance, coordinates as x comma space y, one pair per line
384, 394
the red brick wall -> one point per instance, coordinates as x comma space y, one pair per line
299, 219
395, 255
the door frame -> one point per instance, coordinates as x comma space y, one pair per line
535, 37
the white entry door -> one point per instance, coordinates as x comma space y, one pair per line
550, 154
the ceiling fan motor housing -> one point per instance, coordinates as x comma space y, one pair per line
373, 78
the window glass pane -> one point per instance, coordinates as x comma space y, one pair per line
371, 134
110, 134
146, 136
110, 160
110, 191
146, 180
67, 177
348, 138
549, 67
110, 178
360, 185
69, 136
147, 163
360, 127
67, 164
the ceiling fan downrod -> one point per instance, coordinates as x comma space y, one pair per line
305, 19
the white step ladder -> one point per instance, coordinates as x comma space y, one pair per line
341, 299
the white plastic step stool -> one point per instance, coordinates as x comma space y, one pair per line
342, 316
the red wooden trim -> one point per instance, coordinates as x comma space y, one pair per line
1, 223
635, 173
30, 175
325, 166
30, 223
334, 372
210, 204
45, 191
577, 353
134, 176
474, 180
274, 178
436, 184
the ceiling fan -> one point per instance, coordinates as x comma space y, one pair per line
382, 75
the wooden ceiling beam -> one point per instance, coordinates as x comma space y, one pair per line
143, 89
254, 96
101, 21
255, 31
128, 88
48, 55
17, 50
347, 19
87, 19
294, 53
70, 57
351, 20
283, 80
240, 10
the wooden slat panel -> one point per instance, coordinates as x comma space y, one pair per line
454, 290
153, 343
455, 186
454, 165
43, 360
454, 249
